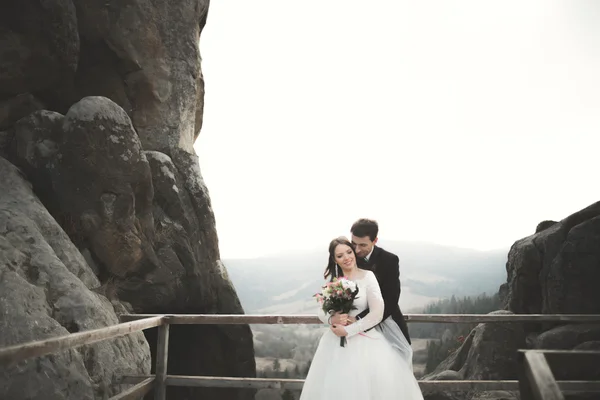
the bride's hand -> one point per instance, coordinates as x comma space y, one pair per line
339, 319
339, 330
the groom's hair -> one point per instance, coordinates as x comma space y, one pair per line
365, 227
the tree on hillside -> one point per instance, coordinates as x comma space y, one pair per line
481, 304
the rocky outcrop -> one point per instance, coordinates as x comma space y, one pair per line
104, 104
544, 225
488, 353
554, 271
151, 240
46, 290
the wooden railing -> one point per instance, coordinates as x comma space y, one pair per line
12, 355
537, 380
539, 370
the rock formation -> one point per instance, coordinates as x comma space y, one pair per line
557, 270
46, 290
554, 271
103, 209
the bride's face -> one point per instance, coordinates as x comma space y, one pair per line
344, 256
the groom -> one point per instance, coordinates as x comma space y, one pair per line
384, 265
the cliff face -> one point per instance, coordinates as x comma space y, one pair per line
100, 104
556, 270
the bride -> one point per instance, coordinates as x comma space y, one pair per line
368, 367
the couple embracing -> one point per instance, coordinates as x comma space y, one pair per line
376, 361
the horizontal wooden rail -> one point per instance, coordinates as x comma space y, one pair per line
538, 378
586, 363
13, 354
227, 319
296, 384
136, 392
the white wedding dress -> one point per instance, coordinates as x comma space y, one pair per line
368, 367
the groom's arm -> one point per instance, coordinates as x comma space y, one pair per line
390, 286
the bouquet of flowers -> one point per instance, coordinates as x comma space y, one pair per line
338, 296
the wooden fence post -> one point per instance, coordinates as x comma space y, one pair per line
536, 380
524, 383
162, 358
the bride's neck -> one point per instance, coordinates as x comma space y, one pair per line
350, 273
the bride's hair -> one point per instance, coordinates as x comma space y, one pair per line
332, 270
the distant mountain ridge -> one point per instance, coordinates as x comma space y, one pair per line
285, 283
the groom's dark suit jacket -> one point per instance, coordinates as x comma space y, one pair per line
386, 267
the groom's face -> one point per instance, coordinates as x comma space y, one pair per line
363, 245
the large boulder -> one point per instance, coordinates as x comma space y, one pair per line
557, 270
103, 184
570, 280
46, 290
488, 353
568, 337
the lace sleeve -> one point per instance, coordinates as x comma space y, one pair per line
375, 304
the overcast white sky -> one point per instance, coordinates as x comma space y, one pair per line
456, 122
